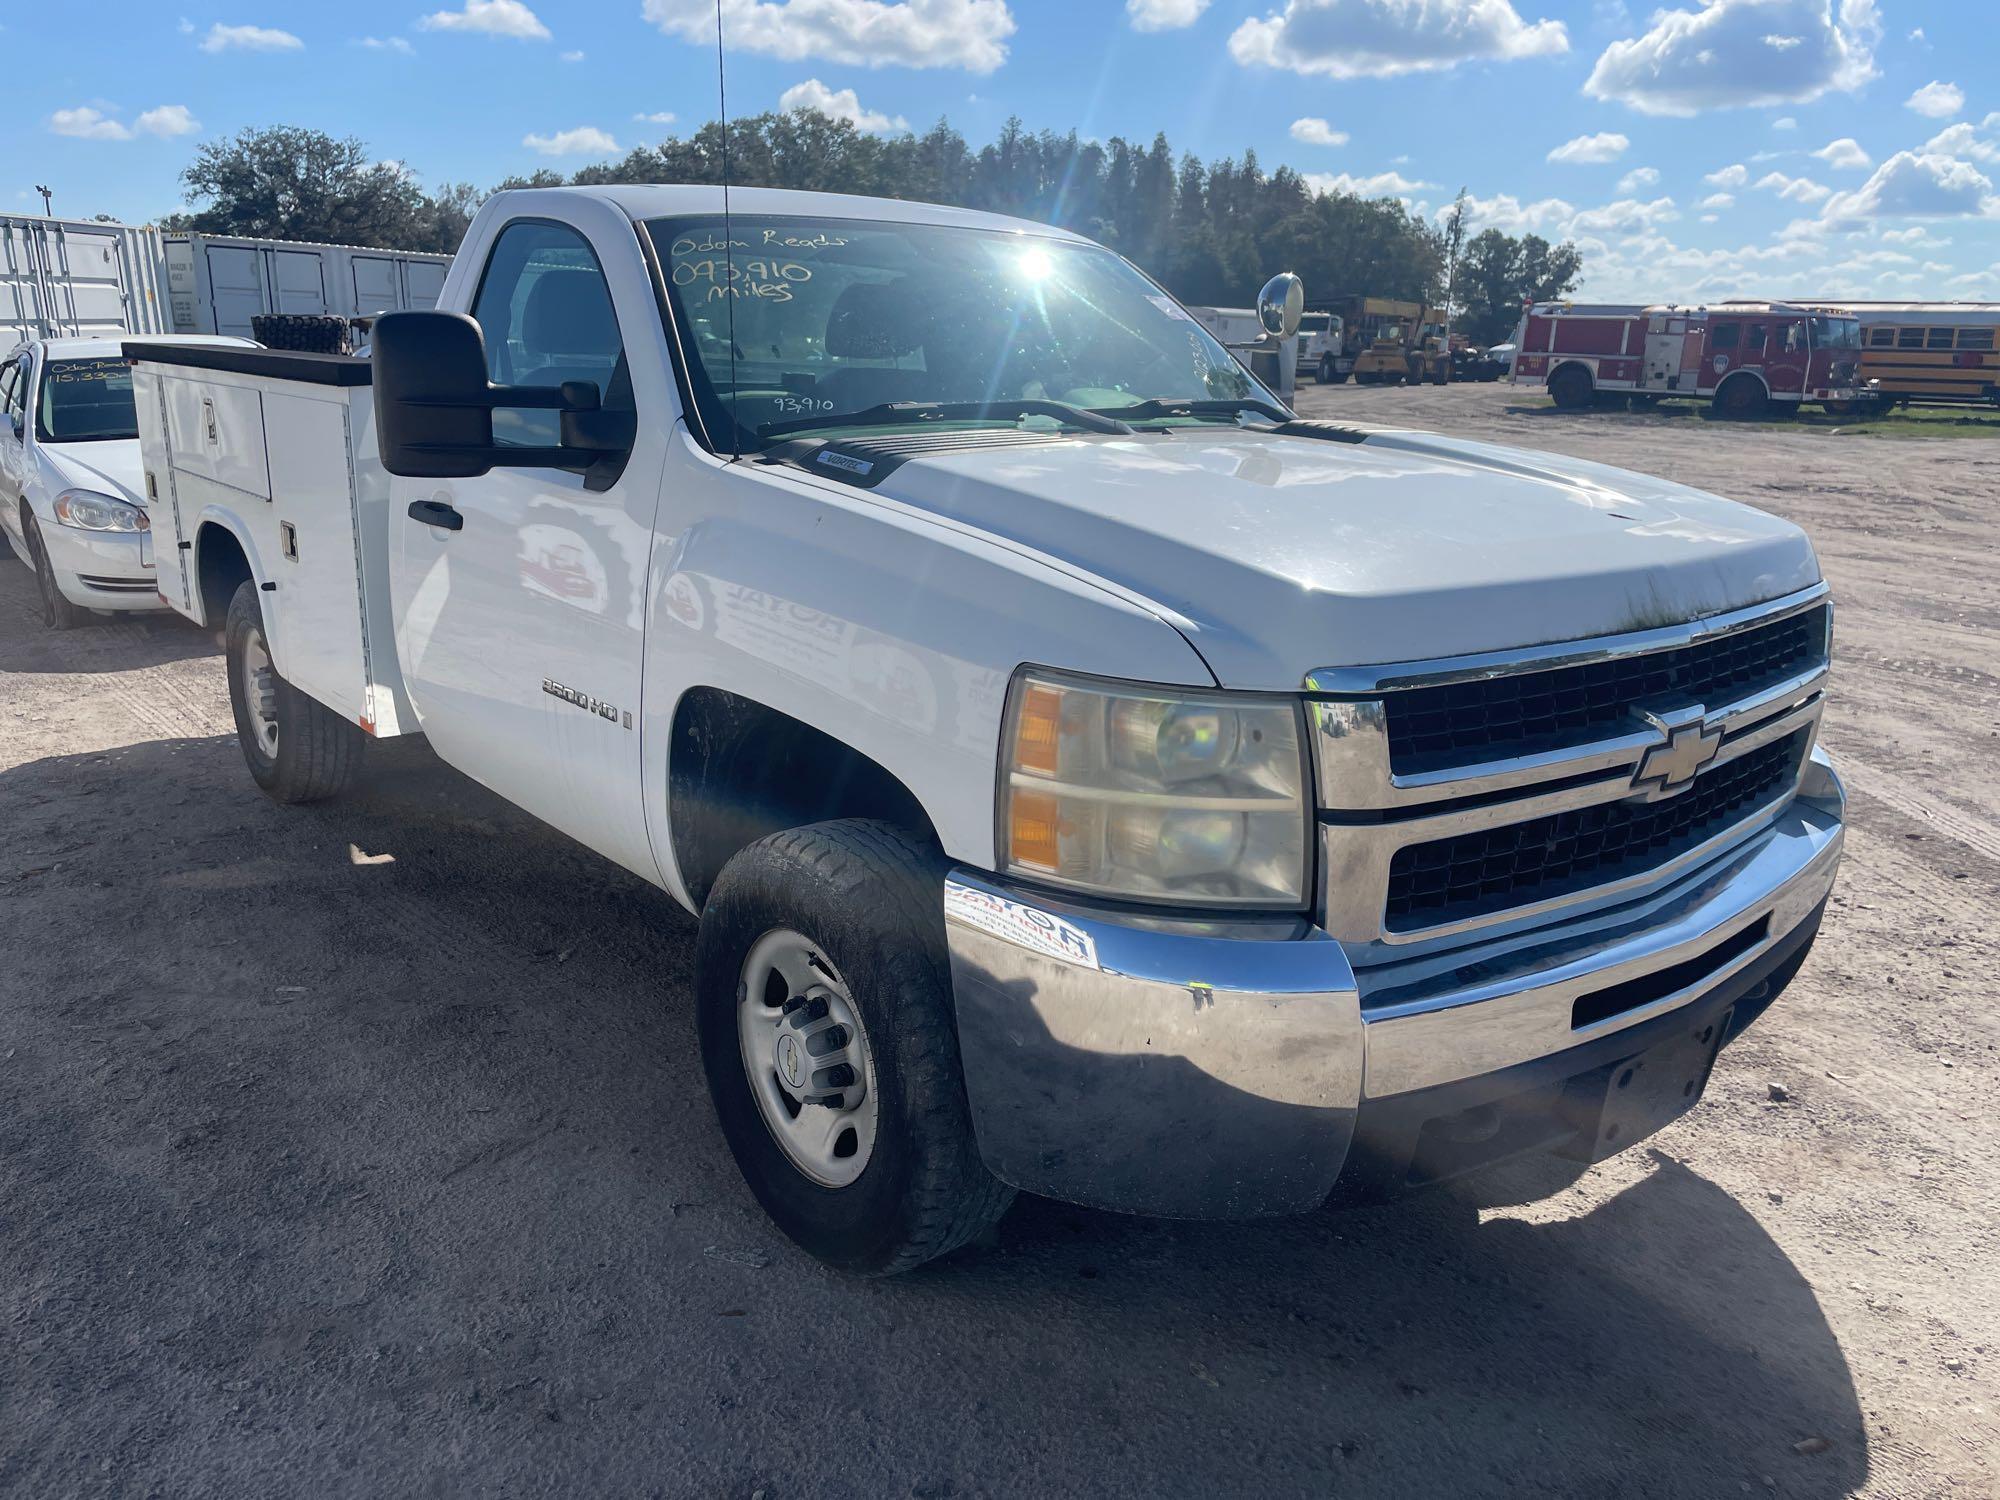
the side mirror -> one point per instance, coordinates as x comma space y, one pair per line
434, 405
1281, 304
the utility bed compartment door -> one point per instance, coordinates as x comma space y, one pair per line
217, 432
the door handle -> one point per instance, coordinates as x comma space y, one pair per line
436, 513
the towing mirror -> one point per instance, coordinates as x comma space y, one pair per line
434, 405
1281, 304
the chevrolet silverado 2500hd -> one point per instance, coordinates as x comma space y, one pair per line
1091, 779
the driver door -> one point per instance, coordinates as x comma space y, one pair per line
521, 631
13, 441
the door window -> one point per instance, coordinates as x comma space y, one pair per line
15, 397
1754, 339
545, 309
1795, 338
1725, 335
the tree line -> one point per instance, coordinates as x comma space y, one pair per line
1211, 232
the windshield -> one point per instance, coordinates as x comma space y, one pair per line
834, 317
86, 401
1836, 333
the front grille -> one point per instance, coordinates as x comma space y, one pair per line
1496, 868
1465, 722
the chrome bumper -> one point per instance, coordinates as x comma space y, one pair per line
1219, 1069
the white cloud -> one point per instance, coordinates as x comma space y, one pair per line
839, 104
571, 57
1937, 101
1797, 189
492, 18
1963, 140
167, 121
582, 141
1845, 155
1733, 176
1734, 53
1917, 236
1316, 132
1381, 185
1784, 122
658, 117
184, 26
969, 34
1625, 216
1638, 178
395, 44
1917, 185
222, 38
1164, 15
1588, 150
87, 124
1717, 200
1382, 38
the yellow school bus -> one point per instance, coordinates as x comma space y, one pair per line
1931, 351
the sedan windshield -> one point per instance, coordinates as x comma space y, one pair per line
795, 326
86, 401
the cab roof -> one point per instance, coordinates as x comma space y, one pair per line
664, 200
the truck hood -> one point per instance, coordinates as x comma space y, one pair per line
1278, 555
113, 467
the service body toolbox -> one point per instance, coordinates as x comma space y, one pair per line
279, 449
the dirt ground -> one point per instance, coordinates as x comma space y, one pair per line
324, 1174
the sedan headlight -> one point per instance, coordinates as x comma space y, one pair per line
88, 511
1154, 794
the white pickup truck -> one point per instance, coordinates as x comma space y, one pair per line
1091, 779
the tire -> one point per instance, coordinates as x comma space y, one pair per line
57, 611
866, 899
1324, 374
297, 748
1739, 399
304, 333
1571, 388
1338, 378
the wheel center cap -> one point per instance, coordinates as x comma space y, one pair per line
791, 1060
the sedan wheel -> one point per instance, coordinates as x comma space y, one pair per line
57, 612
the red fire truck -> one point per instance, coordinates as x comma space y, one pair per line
1745, 357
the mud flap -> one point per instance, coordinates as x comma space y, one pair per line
1644, 1092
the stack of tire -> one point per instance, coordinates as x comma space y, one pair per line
303, 333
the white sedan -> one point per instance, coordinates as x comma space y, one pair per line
72, 494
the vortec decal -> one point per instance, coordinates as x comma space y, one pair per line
583, 701
843, 461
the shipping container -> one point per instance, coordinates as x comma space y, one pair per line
218, 283
79, 278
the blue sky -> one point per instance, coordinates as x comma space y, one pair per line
1698, 149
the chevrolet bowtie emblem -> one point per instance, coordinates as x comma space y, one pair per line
1687, 743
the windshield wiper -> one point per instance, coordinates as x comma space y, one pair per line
1156, 407
950, 411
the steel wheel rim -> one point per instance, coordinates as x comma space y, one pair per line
260, 690
806, 1056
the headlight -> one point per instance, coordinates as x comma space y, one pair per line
1154, 794
88, 511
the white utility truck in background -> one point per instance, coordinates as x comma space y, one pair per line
1091, 778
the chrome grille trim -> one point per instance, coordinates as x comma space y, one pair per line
1369, 812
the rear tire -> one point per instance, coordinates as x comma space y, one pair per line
57, 611
866, 900
1571, 388
297, 748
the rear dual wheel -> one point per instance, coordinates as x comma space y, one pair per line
824, 1010
297, 748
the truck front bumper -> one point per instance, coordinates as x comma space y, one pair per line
1229, 1069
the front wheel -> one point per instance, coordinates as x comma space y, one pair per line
1324, 374
297, 748
824, 1009
57, 612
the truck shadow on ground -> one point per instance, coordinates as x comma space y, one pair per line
106, 643
403, 1170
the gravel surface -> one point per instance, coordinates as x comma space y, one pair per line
362, 1149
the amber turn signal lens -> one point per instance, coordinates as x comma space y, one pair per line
1037, 733
1032, 829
